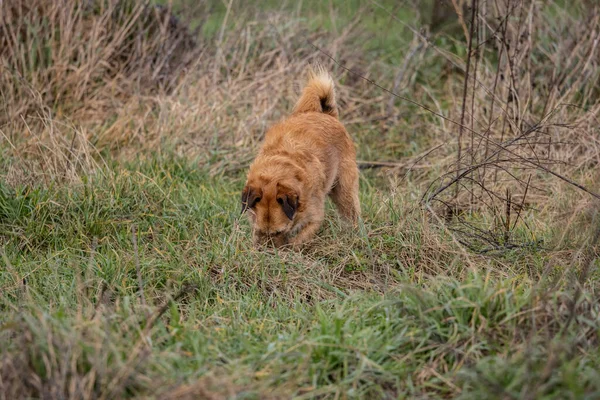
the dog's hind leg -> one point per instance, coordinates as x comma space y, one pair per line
345, 193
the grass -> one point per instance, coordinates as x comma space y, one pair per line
127, 271
361, 314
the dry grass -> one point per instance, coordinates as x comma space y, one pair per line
115, 82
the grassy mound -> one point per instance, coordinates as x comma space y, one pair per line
127, 271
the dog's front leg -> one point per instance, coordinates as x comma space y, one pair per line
306, 234
310, 229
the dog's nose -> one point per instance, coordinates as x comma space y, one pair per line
271, 232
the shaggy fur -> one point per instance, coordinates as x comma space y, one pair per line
303, 159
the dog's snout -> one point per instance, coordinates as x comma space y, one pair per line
271, 232
275, 238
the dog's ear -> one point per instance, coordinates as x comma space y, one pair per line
250, 197
289, 203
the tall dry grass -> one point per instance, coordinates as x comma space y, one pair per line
81, 78
524, 129
66, 67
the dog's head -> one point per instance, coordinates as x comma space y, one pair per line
272, 208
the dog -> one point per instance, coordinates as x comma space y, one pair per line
304, 158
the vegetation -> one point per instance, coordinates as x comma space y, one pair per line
126, 269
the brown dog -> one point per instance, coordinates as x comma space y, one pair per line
303, 159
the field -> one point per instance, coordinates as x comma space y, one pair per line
127, 271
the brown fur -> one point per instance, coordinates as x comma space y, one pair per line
303, 159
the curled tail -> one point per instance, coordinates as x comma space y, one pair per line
318, 94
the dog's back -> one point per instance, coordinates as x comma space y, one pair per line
313, 129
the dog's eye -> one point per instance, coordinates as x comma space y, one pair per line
280, 201
255, 202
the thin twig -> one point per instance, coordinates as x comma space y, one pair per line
137, 265
464, 96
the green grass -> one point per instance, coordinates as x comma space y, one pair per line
320, 322
384, 37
